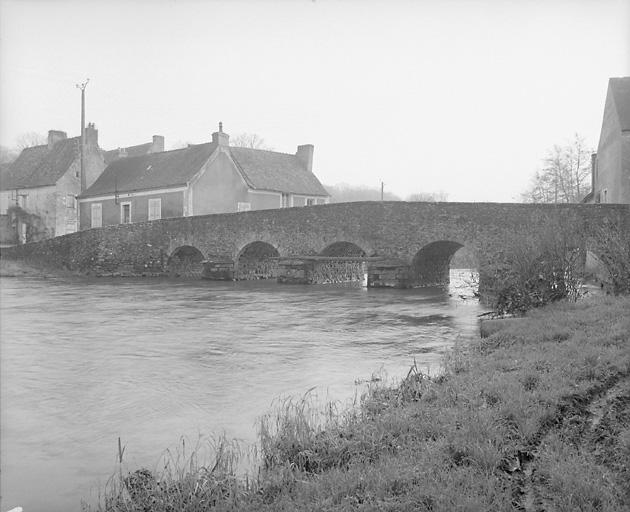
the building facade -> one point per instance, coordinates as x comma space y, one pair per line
198, 180
611, 163
38, 192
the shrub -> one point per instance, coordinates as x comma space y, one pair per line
613, 242
536, 269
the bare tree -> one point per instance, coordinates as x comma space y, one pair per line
249, 140
180, 144
579, 159
28, 140
7, 155
565, 175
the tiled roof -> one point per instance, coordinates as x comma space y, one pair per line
268, 170
140, 149
38, 166
620, 88
261, 170
151, 171
5, 173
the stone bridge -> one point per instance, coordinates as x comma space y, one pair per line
404, 244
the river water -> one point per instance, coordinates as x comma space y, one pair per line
87, 361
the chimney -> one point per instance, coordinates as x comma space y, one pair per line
158, 144
55, 136
220, 138
305, 155
122, 153
91, 135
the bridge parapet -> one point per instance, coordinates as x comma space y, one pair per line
422, 235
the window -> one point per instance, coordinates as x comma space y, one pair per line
125, 213
23, 201
71, 227
310, 201
71, 202
97, 215
155, 209
244, 207
285, 201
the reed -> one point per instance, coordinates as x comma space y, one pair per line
188, 477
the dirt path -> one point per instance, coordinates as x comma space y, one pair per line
605, 416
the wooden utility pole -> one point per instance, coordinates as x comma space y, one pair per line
83, 176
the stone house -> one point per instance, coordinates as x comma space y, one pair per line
38, 191
198, 180
611, 163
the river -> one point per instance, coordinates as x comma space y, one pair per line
86, 361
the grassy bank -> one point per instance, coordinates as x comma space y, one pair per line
535, 417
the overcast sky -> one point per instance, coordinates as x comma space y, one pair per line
463, 97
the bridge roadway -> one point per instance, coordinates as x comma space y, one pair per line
419, 236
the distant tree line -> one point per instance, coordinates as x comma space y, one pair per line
345, 193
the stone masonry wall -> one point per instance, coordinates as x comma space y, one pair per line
396, 229
7, 233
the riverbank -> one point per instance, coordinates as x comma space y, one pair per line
535, 417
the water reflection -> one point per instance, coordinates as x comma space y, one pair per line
87, 361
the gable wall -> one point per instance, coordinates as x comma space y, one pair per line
66, 210
220, 188
94, 163
625, 168
609, 184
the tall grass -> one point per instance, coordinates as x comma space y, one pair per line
186, 477
508, 424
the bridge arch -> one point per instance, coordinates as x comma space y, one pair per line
186, 261
255, 261
431, 264
466, 257
342, 270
